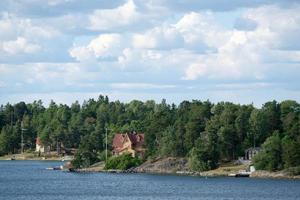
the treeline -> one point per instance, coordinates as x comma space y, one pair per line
206, 133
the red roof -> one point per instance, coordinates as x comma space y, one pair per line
136, 139
118, 140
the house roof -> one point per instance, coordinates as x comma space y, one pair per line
118, 140
136, 139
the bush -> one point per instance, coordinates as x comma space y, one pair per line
270, 157
102, 155
293, 171
197, 161
122, 162
84, 159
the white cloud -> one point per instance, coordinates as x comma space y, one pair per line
105, 45
284, 24
105, 19
194, 71
148, 46
241, 53
163, 37
81, 53
20, 36
57, 2
20, 45
140, 86
200, 29
12, 27
133, 60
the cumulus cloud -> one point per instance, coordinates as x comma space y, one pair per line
22, 36
200, 30
105, 45
105, 19
140, 86
20, 45
243, 53
217, 5
158, 45
12, 26
162, 37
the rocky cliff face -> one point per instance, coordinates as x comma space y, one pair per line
164, 165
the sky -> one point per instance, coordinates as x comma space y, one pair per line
222, 50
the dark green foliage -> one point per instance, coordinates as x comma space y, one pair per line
206, 153
208, 134
270, 157
5, 140
169, 144
122, 162
291, 151
86, 154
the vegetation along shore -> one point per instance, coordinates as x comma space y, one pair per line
193, 137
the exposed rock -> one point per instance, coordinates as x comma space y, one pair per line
164, 165
267, 174
97, 167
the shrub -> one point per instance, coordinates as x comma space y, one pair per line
270, 157
122, 162
84, 159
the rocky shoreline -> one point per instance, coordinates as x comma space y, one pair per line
179, 166
34, 156
170, 165
273, 175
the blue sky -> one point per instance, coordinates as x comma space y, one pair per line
222, 50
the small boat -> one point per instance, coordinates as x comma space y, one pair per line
232, 175
242, 175
55, 168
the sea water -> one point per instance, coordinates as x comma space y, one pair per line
31, 180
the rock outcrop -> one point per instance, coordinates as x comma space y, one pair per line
164, 165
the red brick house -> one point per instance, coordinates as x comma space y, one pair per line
129, 143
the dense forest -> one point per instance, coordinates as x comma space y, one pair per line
207, 134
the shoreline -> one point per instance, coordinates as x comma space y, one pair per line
265, 175
222, 171
33, 157
219, 172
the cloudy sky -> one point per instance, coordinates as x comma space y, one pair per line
222, 50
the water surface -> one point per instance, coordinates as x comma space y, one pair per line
31, 180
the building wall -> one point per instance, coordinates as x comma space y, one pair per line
40, 148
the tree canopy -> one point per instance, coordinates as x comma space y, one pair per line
206, 133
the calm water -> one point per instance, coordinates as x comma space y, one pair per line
30, 180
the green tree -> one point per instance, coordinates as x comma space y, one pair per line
291, 151
5, 140
168, 144
270, 157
